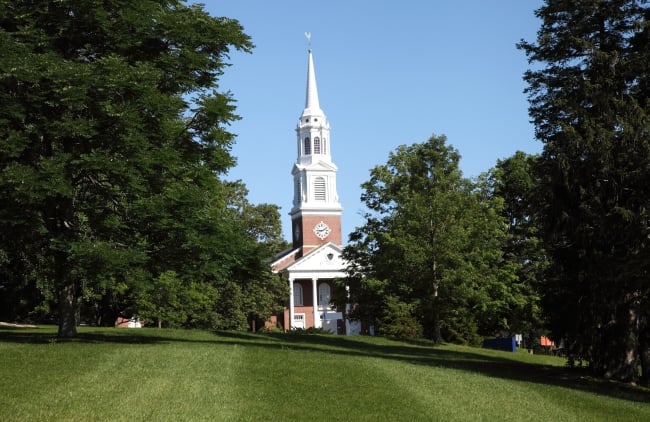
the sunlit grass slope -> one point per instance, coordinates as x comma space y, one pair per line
153, 375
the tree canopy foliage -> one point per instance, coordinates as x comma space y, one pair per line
513, 179
114, 141
589, 100
431, 246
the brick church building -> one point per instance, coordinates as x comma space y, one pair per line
314, 261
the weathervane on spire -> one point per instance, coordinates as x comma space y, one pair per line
308, 36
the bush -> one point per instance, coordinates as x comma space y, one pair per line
398, 321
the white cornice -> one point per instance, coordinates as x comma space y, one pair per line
316, 166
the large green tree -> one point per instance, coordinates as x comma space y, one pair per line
113, 136
431, 246
514, 180
589, 102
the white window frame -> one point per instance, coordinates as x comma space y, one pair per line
297, 294
317, 147
320, 189
324, 286
307, 146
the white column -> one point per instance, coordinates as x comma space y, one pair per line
314, 282
347, 310
291, 304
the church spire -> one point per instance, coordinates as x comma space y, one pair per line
313, 128
312, 106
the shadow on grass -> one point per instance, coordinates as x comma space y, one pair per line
48, 336
423, 353
420, 353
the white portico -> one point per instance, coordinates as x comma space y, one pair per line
311, 284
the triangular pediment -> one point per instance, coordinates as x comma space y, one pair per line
315, 166
323, 262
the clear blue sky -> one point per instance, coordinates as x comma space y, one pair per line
389, 73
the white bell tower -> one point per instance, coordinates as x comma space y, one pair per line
316, 211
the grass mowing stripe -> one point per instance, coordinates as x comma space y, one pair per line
296, 385
151, 374
102, 381
177, 381
48, 376
459, 395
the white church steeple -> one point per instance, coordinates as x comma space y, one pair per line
315, 201
312, 106
313, 128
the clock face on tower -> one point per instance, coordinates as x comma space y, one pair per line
322, 230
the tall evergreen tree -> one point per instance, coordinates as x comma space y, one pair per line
113, 137
589, 102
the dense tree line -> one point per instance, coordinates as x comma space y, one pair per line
589, 99
559, 241
430, 257
114, 146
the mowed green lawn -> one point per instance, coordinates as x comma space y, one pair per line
154, 375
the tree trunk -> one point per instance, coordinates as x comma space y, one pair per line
437, 336
631, 362
644, 357
67, 297
67, 312
435, 330
624, 361
644, 350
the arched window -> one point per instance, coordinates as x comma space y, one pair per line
319, 189
324, 295
307, 146
317, 145
297, 294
